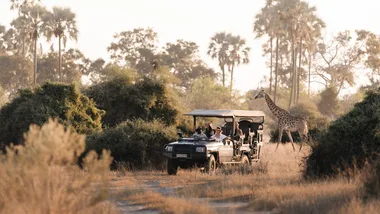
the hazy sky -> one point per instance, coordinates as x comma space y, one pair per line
197, 20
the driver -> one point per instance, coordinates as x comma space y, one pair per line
218, 136
198, 133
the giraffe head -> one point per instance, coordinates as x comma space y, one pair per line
261, 94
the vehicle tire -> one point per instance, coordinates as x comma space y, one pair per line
210, 164
172, 167
245, 160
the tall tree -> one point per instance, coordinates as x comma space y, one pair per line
62, 24
237, 55
337, 59
16, 72
230, 51
72, 61
264, 24
183, 60
372, 54
135, 49
218, 49
33, 18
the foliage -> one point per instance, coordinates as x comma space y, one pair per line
135, 48
348, 101
350, 140
329, 103
124, 97
338, 58
71, 67
230, 51
137, 143
183, 60
61, 22
15, 73
42, 176
207, 93
372, 177
37, 105
3, 97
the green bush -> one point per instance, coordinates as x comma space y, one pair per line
351, 140
125, 98
36, 106
372, 178
135, 142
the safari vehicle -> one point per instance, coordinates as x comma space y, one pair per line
209, 154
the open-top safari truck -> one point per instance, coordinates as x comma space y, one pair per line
211, 153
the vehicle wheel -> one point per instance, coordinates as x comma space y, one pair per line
211, 164
245, 160
172, 167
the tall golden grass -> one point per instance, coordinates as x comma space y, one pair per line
42, 176
275, 184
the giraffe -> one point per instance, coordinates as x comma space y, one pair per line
286, 121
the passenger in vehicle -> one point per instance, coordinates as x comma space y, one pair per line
209, 130
218, 136
238, 132
199, 134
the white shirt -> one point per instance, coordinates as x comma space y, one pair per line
218, 138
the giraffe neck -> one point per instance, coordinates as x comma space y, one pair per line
277, 111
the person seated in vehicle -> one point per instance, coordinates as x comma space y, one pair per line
218, 136
209, 130
238, 132
199, 134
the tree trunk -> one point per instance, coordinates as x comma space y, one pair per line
60, 58
308, 91
276, 73
293, 74
271, 65
35, 58
223, 75
299, 71
232, 78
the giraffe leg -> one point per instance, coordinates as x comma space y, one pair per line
281, 130
291, 139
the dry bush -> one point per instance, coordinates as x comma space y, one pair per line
42, 175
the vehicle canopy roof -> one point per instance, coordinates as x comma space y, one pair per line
223, 113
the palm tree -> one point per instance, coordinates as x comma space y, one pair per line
62, 24
218, 48
32, 17
237, 55
264, 25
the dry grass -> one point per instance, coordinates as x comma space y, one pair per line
274, 184
42, 176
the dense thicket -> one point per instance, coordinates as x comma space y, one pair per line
353, 139
136, 143
124, 98
37, 105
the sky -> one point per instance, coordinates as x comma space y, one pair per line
198, 21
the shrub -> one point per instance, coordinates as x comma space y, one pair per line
36, 106
350, 140
124, 98
136, 143
42, 176
372, 178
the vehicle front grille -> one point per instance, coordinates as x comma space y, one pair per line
182, 148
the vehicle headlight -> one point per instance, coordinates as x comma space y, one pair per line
200, 149
169, 148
